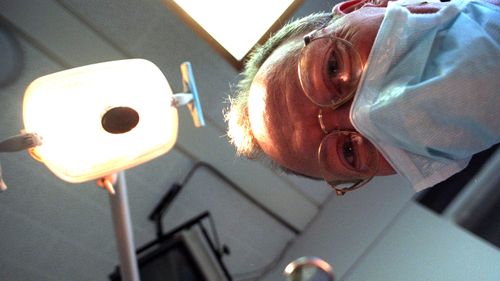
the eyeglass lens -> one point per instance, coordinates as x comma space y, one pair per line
346, 156
329, 70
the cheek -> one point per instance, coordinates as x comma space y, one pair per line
304, 160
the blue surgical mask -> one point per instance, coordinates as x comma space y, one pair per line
430, 95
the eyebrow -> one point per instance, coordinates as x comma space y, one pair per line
307, 38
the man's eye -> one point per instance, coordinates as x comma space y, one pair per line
333, 67
349, 153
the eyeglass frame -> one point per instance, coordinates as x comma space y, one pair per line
308, 38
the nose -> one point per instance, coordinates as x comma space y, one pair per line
336, 119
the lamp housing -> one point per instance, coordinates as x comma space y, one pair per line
99, 119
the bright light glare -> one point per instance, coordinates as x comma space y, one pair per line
66, 108
236, 25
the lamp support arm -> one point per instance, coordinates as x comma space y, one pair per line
123, 231
19, 142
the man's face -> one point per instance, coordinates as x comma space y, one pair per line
284, 121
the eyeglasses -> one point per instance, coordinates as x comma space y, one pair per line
329, 71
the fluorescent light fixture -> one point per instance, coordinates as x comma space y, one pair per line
99, 119
236, 25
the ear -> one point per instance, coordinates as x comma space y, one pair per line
425, 8
350, 6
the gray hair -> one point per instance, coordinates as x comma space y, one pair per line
239, 130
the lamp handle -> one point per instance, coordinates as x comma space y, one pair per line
181, 99
20, 142
189, 85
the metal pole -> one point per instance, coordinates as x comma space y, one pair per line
123, 230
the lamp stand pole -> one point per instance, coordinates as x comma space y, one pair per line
123, 230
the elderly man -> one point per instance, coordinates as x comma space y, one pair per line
374, 88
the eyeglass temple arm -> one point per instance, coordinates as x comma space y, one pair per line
342, 192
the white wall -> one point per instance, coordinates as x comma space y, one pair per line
385, 235
418, 245
348, 225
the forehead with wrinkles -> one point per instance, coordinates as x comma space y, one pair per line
276, 75
276, 108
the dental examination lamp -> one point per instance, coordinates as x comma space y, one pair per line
94, 122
